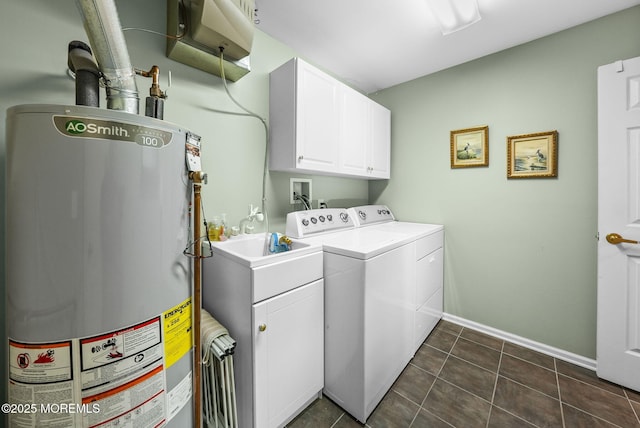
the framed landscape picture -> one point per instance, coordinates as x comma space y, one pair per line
470, 147
533, 155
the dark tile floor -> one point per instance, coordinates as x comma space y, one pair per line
463, 378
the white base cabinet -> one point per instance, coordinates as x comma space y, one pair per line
288, 357
319, 125
275, 313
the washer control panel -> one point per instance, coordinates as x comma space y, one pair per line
371, 214
302, 224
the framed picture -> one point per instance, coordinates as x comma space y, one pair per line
470, 147
532, 155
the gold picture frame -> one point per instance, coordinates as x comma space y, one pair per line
470, 147
533, 155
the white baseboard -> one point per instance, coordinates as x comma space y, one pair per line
560, 354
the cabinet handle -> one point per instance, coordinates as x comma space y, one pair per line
300, 158
262, 327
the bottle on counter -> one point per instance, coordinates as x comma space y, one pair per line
214, 229
224, 232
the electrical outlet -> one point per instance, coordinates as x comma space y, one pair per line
321, 203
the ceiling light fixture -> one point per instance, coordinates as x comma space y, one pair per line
455, 15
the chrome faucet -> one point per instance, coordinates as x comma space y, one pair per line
254, 215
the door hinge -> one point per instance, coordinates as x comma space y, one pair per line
619, 66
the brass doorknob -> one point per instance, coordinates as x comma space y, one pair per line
614, 238
262, 327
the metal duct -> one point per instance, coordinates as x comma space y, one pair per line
103, 28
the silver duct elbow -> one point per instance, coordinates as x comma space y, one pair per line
102, 25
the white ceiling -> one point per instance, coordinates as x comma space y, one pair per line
375, 44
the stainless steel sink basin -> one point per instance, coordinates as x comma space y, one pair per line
249, 250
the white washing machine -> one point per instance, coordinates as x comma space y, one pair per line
429, 262
370, 278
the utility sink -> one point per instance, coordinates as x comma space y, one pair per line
249, 250
240, 260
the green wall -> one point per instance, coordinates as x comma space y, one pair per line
520, 255
35, 36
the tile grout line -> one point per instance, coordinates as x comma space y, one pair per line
495, 384
626, 394
337, 420
555, 369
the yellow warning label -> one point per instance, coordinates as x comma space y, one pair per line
178, 337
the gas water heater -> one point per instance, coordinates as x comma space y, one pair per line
99, 298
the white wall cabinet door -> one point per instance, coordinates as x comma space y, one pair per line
288, 341
317, 120
379, 158
355, 133
365, 136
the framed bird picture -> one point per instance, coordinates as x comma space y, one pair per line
533, 155
470, 147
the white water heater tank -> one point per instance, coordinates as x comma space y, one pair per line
98, 291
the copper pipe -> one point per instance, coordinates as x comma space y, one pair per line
154, 73
197, 177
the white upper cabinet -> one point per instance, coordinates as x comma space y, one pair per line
355, 132
319, 125
379, 147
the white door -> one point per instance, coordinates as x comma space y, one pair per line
618, 344
288, 340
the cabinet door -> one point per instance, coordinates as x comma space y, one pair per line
355, 132
288, 341
317, 120
379, 162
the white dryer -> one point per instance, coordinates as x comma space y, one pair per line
369, 278
428, 258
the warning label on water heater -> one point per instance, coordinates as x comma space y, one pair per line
86, 127
123, 372
177, 330
40, 363
114, 378
40, 382
116, 356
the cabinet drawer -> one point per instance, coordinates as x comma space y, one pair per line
429, 244
277, 278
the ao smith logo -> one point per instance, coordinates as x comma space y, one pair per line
77, 127
96, 129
